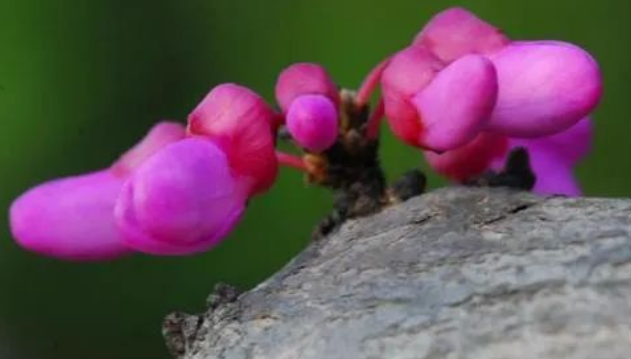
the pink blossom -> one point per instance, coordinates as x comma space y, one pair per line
310, 100
439, 108
525, 89
188, 196
168, 195
73, 218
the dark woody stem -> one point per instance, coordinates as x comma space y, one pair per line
351, 168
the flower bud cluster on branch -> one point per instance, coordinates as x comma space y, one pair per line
462, 92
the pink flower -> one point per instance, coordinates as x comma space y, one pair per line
310, 100
552, 158
522, 89
244, 127
169, 195
73, 218
188, 196
434, 106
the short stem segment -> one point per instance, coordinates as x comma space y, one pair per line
290, 160
370, 83
374, 121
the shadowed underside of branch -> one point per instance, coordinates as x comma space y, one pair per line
456, 273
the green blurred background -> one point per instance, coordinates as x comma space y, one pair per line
81, 81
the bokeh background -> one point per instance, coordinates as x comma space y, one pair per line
81, 81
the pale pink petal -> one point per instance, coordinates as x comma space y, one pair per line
159, 136
456, 105
312, 122
243, 125
456, 32
408, 72
182, 200
552, 171
544, 88
470, 160
70, 218
304, 79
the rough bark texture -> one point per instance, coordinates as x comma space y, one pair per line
456, 273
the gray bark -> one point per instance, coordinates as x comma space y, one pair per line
456, 273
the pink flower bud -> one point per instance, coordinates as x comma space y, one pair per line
312, 122
185, 199
544, 86
73, 218
434, 107
243, 125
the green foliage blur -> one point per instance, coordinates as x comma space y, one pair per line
81, 81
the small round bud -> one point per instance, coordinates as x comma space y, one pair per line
312, 122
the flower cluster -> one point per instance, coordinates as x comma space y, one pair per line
462, 92
466, 94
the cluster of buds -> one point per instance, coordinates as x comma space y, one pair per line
462, 92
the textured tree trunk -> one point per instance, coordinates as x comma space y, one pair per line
456, 273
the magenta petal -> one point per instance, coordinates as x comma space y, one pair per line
456, 32
182, 200
544, 88
570, 146
552, 158
158, 136
553, 176
456, 105
70, 218
312, 122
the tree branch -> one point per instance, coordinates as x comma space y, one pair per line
456, 273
